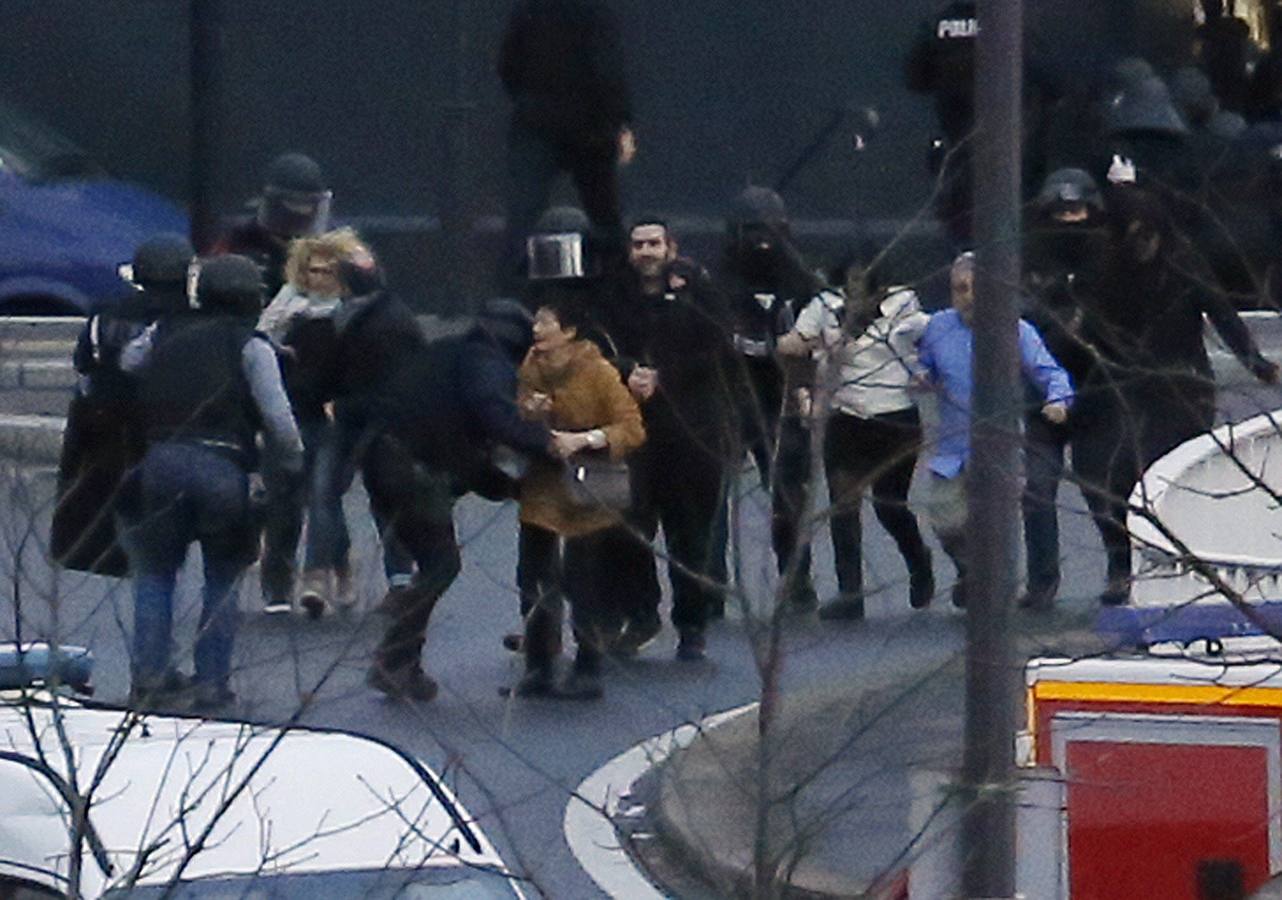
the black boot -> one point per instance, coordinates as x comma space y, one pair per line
584, 681
398, 667
847, 606
921, 581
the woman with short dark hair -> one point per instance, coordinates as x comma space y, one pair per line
566, 383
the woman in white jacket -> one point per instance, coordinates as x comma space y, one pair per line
866, 343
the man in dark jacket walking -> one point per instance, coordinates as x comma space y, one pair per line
424, 420
671, 331
561, 64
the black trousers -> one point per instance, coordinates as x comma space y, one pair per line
1044, 445
416, 506
679, 487
552, 569
1121, 427
782, 457
880, 451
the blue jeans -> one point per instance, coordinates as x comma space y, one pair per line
189, 493
328, 541
283, 524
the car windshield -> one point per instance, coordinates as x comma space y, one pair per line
438, 883
38, 153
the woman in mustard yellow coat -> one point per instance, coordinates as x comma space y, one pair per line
567, 383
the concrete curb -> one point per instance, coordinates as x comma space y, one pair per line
713, 781
37, 374
706, 805
31, 439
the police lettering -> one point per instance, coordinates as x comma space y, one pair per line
956, 28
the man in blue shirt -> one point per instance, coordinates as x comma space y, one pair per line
945, 357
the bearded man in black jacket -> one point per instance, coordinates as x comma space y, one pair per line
670, 330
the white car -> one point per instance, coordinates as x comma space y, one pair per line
199, 808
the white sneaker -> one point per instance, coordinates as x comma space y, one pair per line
346, 596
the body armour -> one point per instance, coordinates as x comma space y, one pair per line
194, 387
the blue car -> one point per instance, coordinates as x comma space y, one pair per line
66, 227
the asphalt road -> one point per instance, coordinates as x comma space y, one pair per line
513, 763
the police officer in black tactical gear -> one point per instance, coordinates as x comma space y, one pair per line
1142, 125
295, 201
942, 63
208, 386
1151, 387
1067, 247
426, 421
767, 285
1224, 49
103, 437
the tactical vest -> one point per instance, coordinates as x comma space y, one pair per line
762, 314
194, 387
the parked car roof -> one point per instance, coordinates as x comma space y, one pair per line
219, 804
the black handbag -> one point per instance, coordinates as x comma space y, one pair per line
595, 481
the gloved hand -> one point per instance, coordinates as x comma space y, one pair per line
362, 276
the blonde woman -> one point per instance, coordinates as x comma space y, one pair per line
299, 321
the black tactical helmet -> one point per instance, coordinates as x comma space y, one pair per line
1127, 71
230, 285
1069, 187
296, 172
296, 198
508, 324
162, 260
1227, 125
758, 206
1145, 106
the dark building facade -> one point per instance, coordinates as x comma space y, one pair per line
726, 93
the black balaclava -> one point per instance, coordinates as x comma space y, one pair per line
160, 267
758, 232
1065, 188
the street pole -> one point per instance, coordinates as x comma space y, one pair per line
993, 484
206, 124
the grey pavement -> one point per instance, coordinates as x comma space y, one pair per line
841, 782
845, 755
513, 763
861, 699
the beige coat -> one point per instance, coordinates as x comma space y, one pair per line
586, 392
